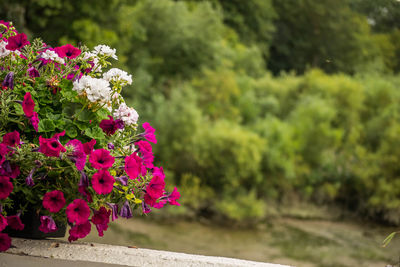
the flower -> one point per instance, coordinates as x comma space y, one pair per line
5, 242
9, 170
6, 187
123, 180
68, 51
115, 75
88, 147
54, 201
51, 147
102, 182
35, 121
155, 188
3, 223
111, 125
28, 105
128, 115
147, 153
145, 208
101, 159
114, 208
15, 223
53, 56
3, 50
79, 231
101, 218
173, 197
96, 90
133, 165
47, 224
33, 73
149, 133
126, 211
17, 42
9, 80
29, 179
11, 139
78, 211
3, 153
105, 50
78, 155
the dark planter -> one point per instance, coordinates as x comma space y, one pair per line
31, 229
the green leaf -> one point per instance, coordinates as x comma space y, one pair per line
388, 239
71, 131
95, 133
46, 125
86, 115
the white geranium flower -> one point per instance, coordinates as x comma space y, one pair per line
88, 56
97, 90
128, 115
115, 75
51, 55
3, 50
106, 51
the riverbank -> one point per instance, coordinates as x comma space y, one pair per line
283, 240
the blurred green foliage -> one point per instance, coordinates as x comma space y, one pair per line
232, 136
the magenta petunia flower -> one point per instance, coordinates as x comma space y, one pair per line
78, 211
3, 153
145, 208
101, 218
101, 159
88, 147
173, 197
33, 73
133, 165
156, 186
68, 51
147, 153
102, 182
12, 139
51, 147
5, 242
78, 156
79, 231
47, 224
17, 42
110, 126
15, 222
35, 121
3, 223
6, 187
149, 200
28, 105
85, 193
54, 201
149, 133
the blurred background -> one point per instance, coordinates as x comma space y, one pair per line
278, 120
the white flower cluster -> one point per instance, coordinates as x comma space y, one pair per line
3, 50
115, 75
51, 55
128, 115
106, 51
97, 90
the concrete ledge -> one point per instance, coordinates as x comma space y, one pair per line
34, 253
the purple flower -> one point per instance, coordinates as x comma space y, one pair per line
145, 208
123, 180
84, 180
126, 211
47, 224
110, 146
78, 155
114, 208
29, 180
9, 80
33, 73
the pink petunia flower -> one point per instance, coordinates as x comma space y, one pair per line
33, 73
47, 224
28, 105
78, 211
101, 159
35, 121
5, 242
3, 223
78, 156
102, 182
6, 187
110, 126
3, 152
101, 218
11, 139
54, 201
79, 231
147, 153
15, 222
149, 133
10, 170
133, 165
173, 197
17, 42
156, 186
88, 147
51, 147
68, 51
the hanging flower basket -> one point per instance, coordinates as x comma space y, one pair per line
71, 150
